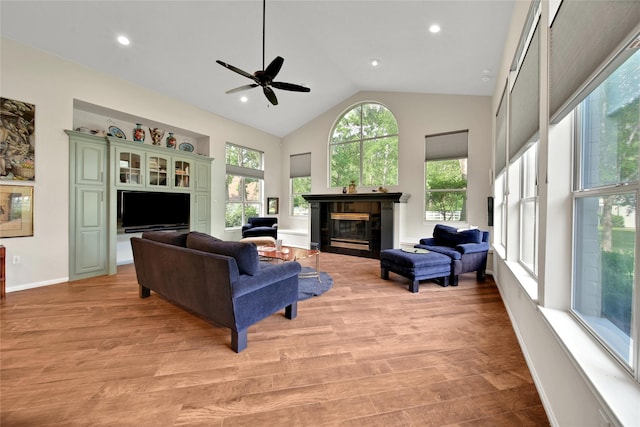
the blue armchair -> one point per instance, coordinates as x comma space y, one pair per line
467, 249
260, 226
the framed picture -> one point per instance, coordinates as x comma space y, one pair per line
16, 210
17, 140
272, 205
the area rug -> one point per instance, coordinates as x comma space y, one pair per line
309, 287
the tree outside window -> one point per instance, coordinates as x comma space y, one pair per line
299, 186
446, 190
364, 147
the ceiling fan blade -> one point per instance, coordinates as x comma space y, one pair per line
241, 88
274, 68
290, 86
238, 70
271, 96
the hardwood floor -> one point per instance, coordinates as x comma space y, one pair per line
366, 353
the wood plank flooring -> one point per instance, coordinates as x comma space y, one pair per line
366, 353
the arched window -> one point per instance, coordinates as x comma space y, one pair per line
364, 147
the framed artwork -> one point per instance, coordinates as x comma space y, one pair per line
16, 210
272, 205
17, 140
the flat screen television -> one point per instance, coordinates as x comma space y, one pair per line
149, 210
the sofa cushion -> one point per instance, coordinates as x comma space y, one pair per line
245, 254
169, 237
444, 250
450, 236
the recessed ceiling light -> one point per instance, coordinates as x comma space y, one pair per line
243, 99
375, 62
123, 40
435, 28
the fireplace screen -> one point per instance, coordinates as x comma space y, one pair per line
350, 230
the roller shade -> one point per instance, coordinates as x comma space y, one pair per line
501, 134
447, 146
299, 165
524, 104
585, 36
247, 172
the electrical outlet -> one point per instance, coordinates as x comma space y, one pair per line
16, 259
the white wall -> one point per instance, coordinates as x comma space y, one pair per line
417, 115
52, 84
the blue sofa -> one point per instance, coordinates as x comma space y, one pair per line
222, 281
467, 249
260, 226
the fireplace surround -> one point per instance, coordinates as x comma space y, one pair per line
360, 224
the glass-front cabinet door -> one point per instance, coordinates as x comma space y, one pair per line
181, 173
130, 167
158, 171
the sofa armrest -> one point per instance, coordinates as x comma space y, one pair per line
468, 248
429, 241
268, 275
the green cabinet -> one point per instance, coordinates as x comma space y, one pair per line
99, 167
88, 242
201, 200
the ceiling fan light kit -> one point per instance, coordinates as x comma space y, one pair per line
265, 76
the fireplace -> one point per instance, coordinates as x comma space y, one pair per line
350, 230
360, 224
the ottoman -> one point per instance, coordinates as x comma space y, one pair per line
415, 266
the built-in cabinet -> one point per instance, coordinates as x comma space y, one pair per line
88, 221
99, 167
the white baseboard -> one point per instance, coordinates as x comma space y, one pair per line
26, 286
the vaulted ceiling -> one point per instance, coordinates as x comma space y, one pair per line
327, 46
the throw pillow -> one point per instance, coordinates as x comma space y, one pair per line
196, 238
450, 236
245, 254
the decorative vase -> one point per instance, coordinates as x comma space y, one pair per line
171, 141
138, 133
156, 135
344, 190
352, 188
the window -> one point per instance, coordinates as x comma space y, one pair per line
500, 210
300, 176
364, 147
529, 210
299, 186
245, 177
446, 176
606, 206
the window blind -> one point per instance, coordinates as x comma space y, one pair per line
524, 103
299, 165
247, 172
447, 146
585, 38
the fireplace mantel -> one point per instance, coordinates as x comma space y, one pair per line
349, 197
360, 224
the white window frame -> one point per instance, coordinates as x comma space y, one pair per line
606, 337
529, 197
245, 171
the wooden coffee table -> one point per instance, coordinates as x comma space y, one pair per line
291, 253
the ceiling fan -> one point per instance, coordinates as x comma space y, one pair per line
265, 76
